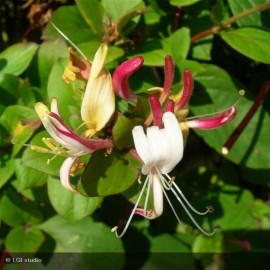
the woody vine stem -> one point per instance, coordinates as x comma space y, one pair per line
217, 28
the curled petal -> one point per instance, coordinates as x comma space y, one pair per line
214, 122
121, 75
169, 107
65, 174
187, 89
169, 76
156, 110
98, 102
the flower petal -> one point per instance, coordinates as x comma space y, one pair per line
175, 145
157, 195
214, 122
187, 89
156, 110
142, 146
65, 174
98, 103
121, 75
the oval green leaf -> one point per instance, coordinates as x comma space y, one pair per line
70, 206
252, 42
258, 18
16, 58
68, 19
105, 176
24, 240
83, 236
16, 212
215, 90
93, 13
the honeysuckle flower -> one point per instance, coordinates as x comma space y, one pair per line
64, 141
121, 75
98, 102
160, 149
77, 69
206, 122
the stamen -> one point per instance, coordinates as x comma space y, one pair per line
192, 219
171, 180
68, 40
241, 94
169, 202
139, 179
35, 148
132, 213
147, 196
209, 208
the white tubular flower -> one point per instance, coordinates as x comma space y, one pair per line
98, 102
160, 149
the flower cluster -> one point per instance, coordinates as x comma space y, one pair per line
159, 144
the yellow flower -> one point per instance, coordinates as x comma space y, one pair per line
98, 102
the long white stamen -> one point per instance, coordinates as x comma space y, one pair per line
132, 213
164, 181
147, 195
241, 94
68, 40
209, 209
169, 202
191, 217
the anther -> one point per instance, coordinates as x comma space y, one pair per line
114, 229
210, 209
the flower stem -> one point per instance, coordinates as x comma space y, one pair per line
217, 28
236, 133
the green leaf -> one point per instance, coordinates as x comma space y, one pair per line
258, 18
183, 2
38, 160
105, 176
122, 131
219, 12
20, 122
68, 19
70, 206
6, 169
153, 51
180, 43
28, 178
215, 91
9, 85
232, 208
90, 48
64, 93
204, 244
252, 42
16, 212
164, 253
93, 12
202, 48
24, 240
47, 57
16, 58
83, 236
118, 8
